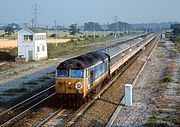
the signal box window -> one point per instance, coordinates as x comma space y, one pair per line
43, 48
38, 49
28, 37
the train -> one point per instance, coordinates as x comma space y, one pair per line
78, 78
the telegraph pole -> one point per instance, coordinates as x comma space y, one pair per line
34, 20
116, 25
94, 31
55, 25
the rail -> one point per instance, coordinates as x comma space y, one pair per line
21, 105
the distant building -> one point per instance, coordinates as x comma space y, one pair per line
163, 36
32, 44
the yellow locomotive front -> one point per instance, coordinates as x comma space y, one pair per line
70, 81
76, 77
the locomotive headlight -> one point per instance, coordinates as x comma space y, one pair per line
78, 85
69, 83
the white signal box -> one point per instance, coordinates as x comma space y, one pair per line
128, 95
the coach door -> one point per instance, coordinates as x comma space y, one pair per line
30, 55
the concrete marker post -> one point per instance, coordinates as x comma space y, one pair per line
128, 95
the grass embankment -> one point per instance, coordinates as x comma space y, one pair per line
57, 50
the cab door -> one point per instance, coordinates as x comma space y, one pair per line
92, 77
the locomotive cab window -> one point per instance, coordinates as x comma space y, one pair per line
62, 73
77, 73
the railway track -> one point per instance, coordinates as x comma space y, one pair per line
57, 118
66, 117
16, 112
101, 111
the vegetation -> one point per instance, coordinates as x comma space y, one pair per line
31, 83
8, 54
73, 29
119, 26
176, 29
41, 79
15, 90
153, 118
175, 35
9, 31
55, 51
92, 26
156, 125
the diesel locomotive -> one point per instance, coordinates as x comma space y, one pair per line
79, 77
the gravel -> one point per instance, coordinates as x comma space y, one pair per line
155, 102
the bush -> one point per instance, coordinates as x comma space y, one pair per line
13, 52
8, 54
166, 79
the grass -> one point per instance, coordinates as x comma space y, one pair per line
15, 90
176, 40
6, 68
53, 72
43, 78
31, 83
153, 118
170, 118
162, 42
1, 102
177, 46
56, 50
62, 34
167, 78
152, 122
153, 101
156, 125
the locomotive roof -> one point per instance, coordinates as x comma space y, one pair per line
83, 61
111, 51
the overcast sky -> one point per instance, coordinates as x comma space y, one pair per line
79, 11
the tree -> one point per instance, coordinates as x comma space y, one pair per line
176, 28
119, 26
92, 26
14, 25
9, 31
73, 29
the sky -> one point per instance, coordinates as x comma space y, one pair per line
67, 12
